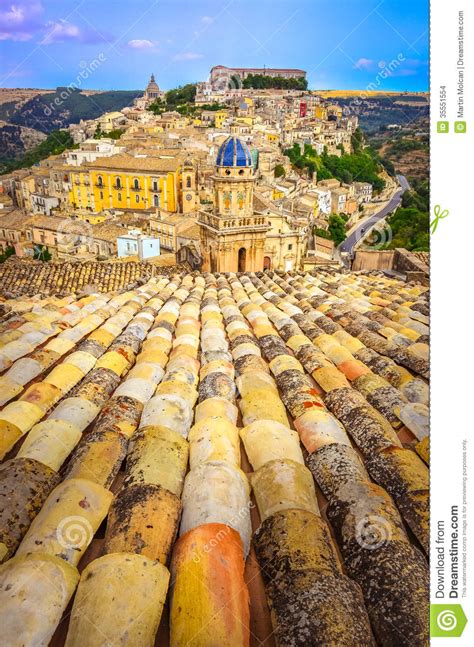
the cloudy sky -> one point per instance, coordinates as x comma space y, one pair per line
116, 44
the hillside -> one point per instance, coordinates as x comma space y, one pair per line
47, 112
27, 116
16, 140
410, 155
382, 109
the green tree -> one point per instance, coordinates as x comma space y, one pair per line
280, 170
322, 233
98, 132
388, 166
264, 82
181, 95
410, 229
9, 251
41, 253
363, 166
157, 107
337, 227
357, 140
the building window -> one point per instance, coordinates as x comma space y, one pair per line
100, 181
156, 201
290, 247
155, 185
101, 195
136, 184
188, 182
118, 183
137, 199
119, 197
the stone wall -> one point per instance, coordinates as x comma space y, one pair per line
373, 260
398, 260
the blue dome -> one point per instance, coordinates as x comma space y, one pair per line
233, 152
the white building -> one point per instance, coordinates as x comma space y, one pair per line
43, 204
92, 149
137, 244
324, 200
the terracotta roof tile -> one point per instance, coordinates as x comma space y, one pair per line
324, 379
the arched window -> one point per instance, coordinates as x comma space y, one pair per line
118, 183
136, 184
241, 259
100, 181
156, 201
137, 199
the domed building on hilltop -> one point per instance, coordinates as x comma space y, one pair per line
152, 93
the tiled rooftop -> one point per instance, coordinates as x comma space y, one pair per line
216, 460
129, 163
30, 278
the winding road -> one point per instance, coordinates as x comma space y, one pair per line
348, 245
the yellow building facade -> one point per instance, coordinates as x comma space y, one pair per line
124, 182
320, 112
221, 116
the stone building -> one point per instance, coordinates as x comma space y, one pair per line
152, 93
233, 236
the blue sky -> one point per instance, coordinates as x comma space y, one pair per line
116, 44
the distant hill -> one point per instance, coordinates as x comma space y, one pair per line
47, 112
383, 109
23, 113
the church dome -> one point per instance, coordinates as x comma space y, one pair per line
234, 152
152, 85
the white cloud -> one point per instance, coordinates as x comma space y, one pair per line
364, 64
20, 20
58, 32
187, 56
207, 20
141, 44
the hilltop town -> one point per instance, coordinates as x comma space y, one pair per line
244, 172
194, 270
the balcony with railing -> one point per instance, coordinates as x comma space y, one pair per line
233, 223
